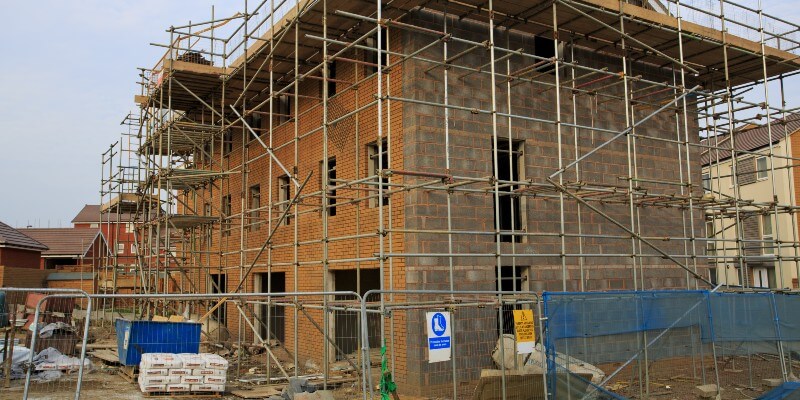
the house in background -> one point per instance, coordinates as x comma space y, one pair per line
117, 229
19, 250
757, 251
70, 248
72, 257
19, 259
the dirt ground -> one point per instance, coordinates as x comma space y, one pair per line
741, 377
107, 384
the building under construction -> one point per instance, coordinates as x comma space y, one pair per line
330, 145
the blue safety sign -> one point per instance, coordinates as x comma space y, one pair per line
438, 324
439, 344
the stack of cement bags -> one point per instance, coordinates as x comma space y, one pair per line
166, 372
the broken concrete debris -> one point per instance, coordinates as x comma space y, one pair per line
536, 364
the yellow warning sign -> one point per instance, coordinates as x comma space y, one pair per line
525, 331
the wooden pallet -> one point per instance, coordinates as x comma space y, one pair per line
190, 395
259, 392
108, 357
130, 374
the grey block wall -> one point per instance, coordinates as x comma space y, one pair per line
471, 155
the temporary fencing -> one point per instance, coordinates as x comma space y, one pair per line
754, 333
638, 344
269, 338
49, 360
442, 344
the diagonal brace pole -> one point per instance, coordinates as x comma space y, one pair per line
331, 341
650, 343
224, 120
564, 190
261, 251
623, 133
267, 148
263, 342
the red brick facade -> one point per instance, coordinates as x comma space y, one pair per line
415, 136
19, 258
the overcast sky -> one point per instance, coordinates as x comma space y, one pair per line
67, 78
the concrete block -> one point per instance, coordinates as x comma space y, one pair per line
318, 395
708, 391
772, 382
296, 387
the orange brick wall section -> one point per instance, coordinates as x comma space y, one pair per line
22, 277
360, 218
87, 285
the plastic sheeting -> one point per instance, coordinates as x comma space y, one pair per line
19, 356
605, 327
786, 391
582, 315
720, 317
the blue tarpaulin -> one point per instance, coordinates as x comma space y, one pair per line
786, 391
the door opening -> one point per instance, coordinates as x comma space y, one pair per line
347, 323
272, 316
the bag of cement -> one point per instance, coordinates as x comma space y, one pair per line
177, 387
160, 360
509, 352
193, 361
152, 388
207, 387
214, 361
52, 359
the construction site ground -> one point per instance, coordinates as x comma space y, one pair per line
678, 378
672, 379
105, 383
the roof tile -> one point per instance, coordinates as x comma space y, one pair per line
64, 241
13, 237
748, 139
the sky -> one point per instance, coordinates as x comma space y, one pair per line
67, 79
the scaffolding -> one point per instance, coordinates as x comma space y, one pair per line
318, 136
119, 199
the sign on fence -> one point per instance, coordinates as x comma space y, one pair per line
526, 334
438, 336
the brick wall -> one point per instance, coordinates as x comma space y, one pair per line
348, 141
19, 258
87, 285
417, 143
470, 138
22, 277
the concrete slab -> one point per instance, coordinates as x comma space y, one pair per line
770, 382
708, 391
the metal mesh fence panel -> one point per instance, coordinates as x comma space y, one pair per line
263, 343
483, 345
44, 333
631, 343
677, 343
456, 345
747, 341
271, 342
